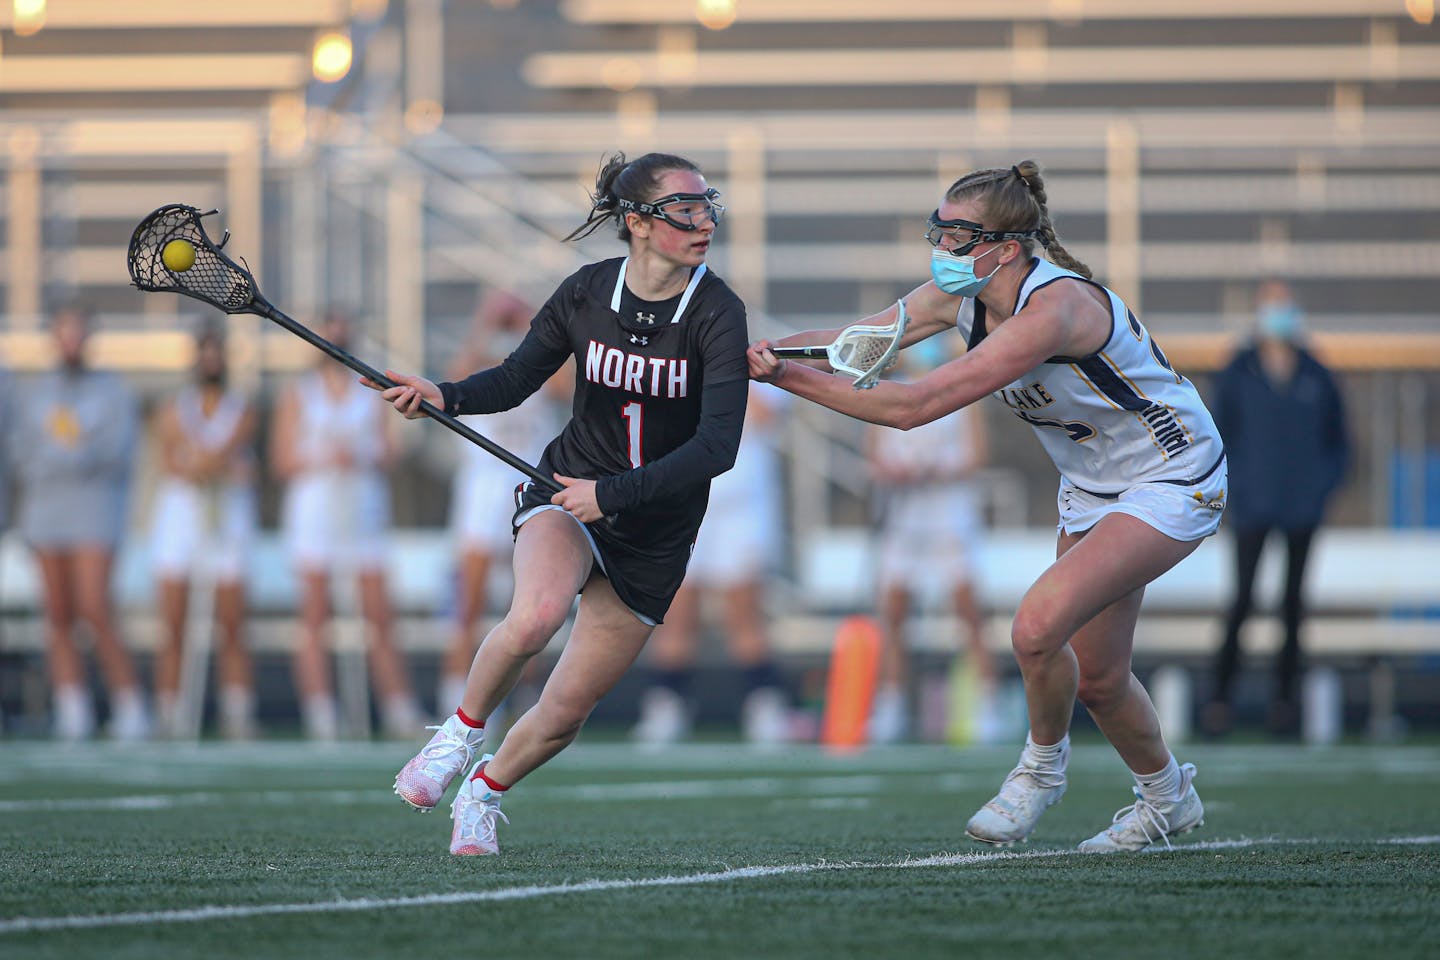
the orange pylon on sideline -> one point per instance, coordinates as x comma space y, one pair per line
850, 688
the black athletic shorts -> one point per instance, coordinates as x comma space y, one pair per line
645, 572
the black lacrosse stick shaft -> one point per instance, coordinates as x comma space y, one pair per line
266, 309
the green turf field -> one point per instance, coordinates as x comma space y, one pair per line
288, 850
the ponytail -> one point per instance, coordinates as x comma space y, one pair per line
1015, 200
635, 180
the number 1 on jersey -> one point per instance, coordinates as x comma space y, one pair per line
634, 415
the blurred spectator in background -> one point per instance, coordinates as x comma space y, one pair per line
332, 444
203, 524
930, 518
732, 557
1283, 422
71, 444
482, 498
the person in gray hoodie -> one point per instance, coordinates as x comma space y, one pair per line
72, 439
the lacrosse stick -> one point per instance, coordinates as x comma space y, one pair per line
862, 351
213, 278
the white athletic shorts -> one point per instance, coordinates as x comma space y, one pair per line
927, 539
191, 526
337, 521
482, 504
1181, 513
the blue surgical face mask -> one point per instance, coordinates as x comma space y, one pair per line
956, 275
1280, 321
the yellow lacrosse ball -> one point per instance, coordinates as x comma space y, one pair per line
179, 255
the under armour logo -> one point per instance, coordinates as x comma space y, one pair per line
642, 341
646, 318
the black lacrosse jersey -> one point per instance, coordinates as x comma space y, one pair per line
658, 410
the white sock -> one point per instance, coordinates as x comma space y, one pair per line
237, 711
1054, 756
74, 713
1163, 786
320, 717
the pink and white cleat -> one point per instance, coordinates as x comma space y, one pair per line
475, 809
423, 781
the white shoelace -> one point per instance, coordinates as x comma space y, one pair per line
481, 828
443, 749
1044, 779
1148, 815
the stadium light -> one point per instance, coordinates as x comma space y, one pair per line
715, 14
332, 56
29, 17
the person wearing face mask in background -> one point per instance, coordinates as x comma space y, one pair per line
1283, 419
204, 513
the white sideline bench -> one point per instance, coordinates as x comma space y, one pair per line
1357, 577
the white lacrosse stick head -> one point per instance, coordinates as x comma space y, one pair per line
864, 351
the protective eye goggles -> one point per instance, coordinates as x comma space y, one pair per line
683, 211
937, 230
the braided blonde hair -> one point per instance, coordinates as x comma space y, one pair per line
1014, 200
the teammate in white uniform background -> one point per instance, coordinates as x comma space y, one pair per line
1142, 479
332, 444
70, 445
931, 517
482, 499
733, 555
203, 520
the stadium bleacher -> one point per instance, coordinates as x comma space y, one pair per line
1192, 150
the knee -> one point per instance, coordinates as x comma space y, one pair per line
529, 626
1034, 634
1104, 690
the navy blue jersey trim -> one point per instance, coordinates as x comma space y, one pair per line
1179, 483
1110, 383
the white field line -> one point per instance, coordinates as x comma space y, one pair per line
198, 914
805, 787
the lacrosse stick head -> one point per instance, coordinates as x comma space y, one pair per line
212, 278
865, 351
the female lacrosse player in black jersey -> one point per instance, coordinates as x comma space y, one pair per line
661, 381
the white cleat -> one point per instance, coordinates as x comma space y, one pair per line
475, 809
1144, 823
424, 780
1012, 814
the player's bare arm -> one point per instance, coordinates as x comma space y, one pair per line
1054, 322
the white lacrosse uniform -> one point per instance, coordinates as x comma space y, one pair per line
338, 518
741, 534
482, 496
929, 530
214, 523
1127, 433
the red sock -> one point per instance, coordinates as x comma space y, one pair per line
469, 721
495, 785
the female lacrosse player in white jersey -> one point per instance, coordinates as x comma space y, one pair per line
1142, 479
332, 444
482, 498
204, 514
